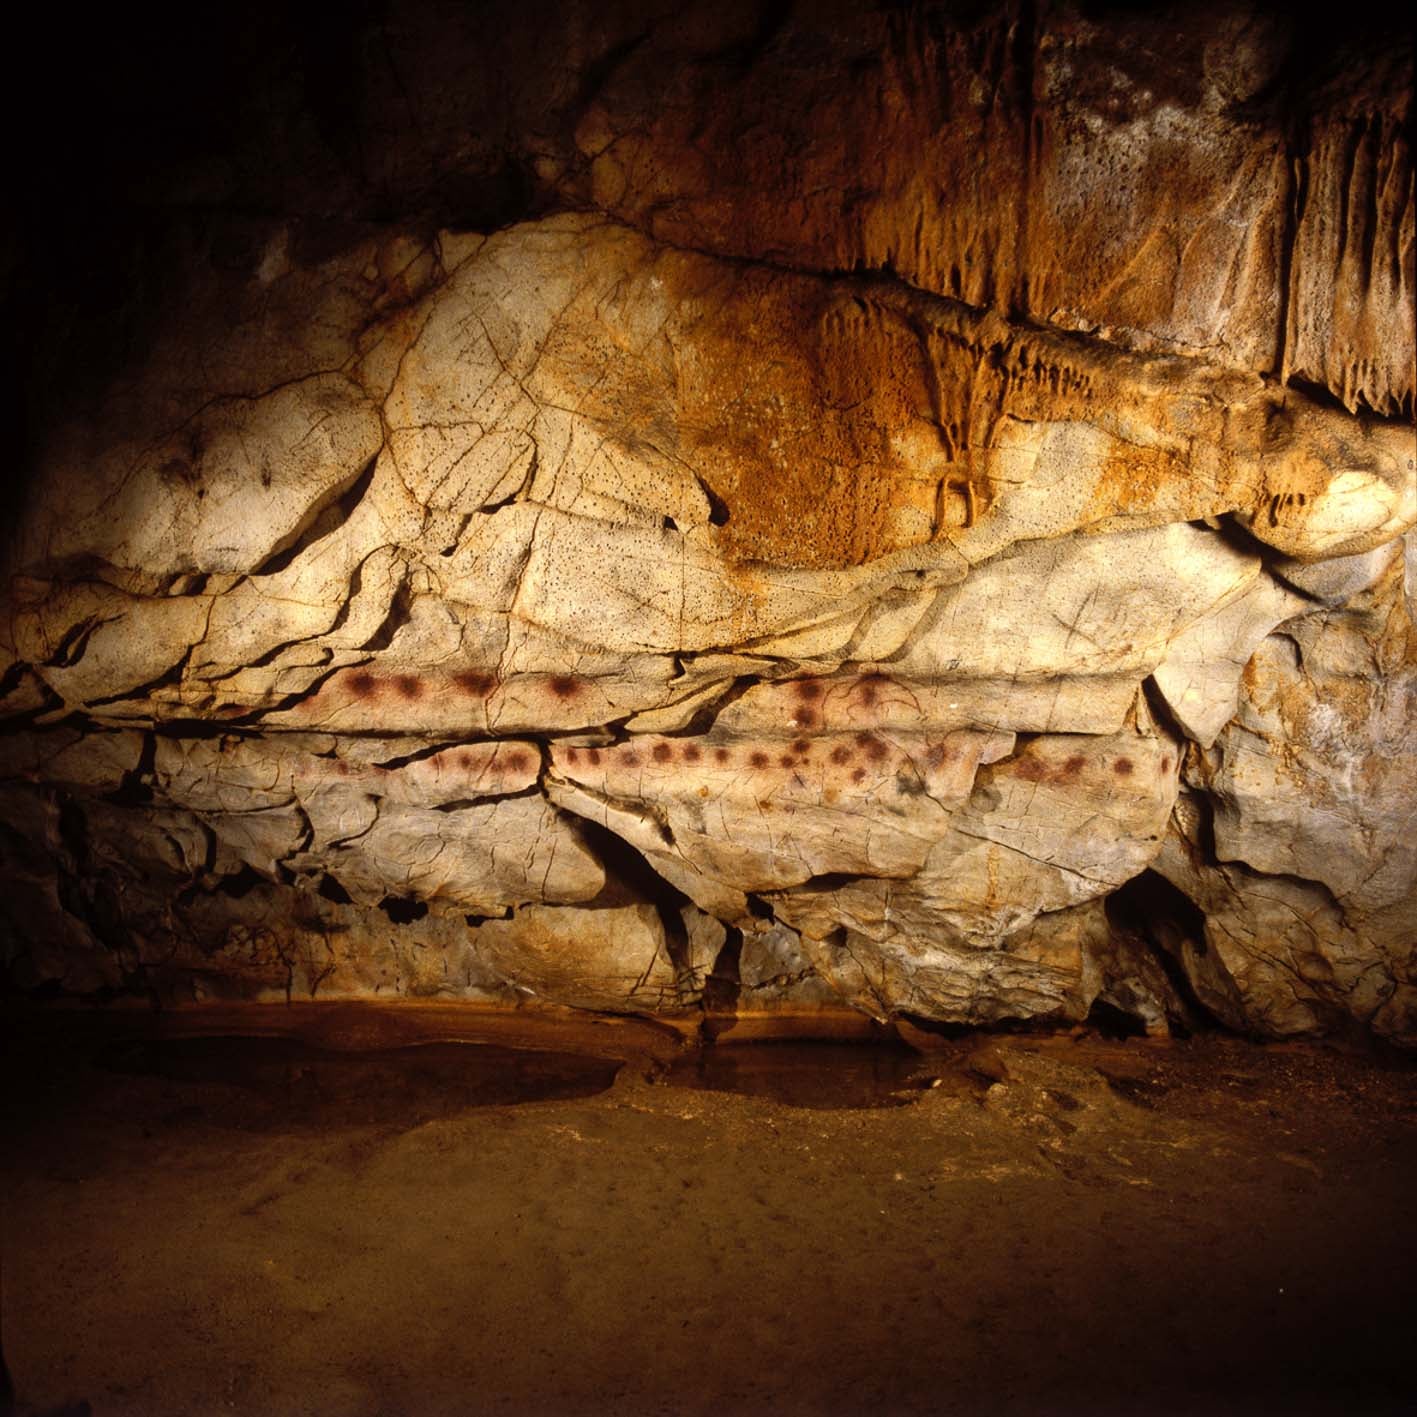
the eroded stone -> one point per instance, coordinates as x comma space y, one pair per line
716, 594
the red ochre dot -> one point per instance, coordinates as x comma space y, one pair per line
661, 752
868, 688
594, 755
408, 686
758, 758
721, 755
363, 685
691, 752
564, 686
841, 754
1123, 767
801, 746
470, 681
573, 755
516, 762
859, 775
788, 761
630, 758
1166, 762
465, 759
808, 690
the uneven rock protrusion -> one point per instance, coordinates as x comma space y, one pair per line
791, 571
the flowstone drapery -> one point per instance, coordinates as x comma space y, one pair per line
942, 548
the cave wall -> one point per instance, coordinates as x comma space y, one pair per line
765, 508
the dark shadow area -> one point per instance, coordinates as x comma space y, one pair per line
253, 1083
1070, 1226
1112, 1022
1162, 919
822, 1076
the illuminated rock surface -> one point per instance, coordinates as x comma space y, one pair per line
838, 544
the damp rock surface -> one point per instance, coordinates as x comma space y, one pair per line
790, 538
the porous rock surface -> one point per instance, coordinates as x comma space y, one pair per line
916, 515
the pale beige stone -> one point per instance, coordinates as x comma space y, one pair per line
616, 958
230, 489
1310, 895
1200, 675
859, 618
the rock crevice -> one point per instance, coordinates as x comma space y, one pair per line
716, 595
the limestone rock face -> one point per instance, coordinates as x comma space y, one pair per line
853, 542
1294, 831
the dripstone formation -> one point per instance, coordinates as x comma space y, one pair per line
907, 511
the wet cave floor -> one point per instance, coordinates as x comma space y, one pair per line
569, 1218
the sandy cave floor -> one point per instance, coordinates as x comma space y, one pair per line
1021, 1224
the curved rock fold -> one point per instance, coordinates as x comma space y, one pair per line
713, 588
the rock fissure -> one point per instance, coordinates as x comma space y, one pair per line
737, 584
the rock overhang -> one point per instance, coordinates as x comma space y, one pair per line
567, 609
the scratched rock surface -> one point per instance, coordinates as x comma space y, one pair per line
1294, 833
699, 595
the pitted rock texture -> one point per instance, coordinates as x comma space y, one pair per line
942, 549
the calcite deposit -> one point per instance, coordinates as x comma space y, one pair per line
914, 515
